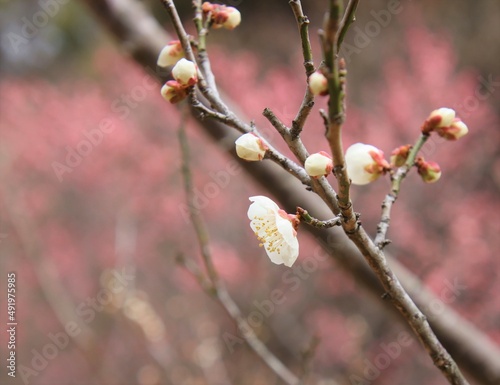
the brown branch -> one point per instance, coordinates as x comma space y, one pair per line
217, 287
308, 99
473, 349
396, 180
373, 255
347, 20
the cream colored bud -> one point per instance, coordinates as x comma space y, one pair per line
233, 18
250, 147
319, 164
318, 83
185, 72
170, 54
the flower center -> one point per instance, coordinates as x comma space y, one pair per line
269, 235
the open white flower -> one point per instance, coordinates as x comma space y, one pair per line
365, 163
275, 229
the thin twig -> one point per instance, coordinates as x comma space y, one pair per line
396, 180
307, 358
307, 218
373, 254
211, 94
336, 113
308, 99
217, 287
347, 20
222, 112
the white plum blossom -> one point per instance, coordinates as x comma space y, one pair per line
319, 164
185, 72
318, 83
365, 163
275, 229
250, 147
170, 54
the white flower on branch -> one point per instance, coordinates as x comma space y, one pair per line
365, 163
319, 164
185, 72
250, 147
318, 84
275, 229
170, 54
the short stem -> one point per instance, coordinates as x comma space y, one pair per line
396, 180
307, 218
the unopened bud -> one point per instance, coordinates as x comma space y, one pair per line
170, 54
399, 155
319, 164
365, 163
250, 147
173, 92
442, 117
222, 16
185, 72
429, 171
455, 131
233, 18
318, 84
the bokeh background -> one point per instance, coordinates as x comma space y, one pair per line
93, 231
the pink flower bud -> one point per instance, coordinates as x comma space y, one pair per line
318, 84
442, 117
173, 92
170, 54
429, 171
250, 147
365, 163
455, 131
399, 155
319, 164
185, 72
